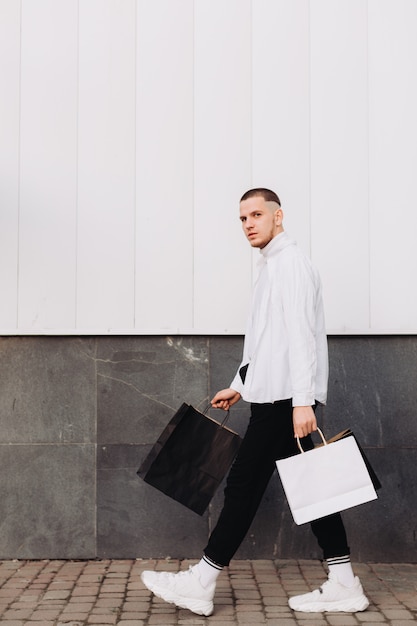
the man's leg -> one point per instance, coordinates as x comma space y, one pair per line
331, 536
343, 590
269, 436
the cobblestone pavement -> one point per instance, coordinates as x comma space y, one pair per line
75, 593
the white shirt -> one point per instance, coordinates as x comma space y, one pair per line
285, 342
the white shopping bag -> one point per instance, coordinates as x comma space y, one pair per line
325, 480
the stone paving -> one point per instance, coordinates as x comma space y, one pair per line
109, 592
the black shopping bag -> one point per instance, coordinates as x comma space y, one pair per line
348, 433
190, 458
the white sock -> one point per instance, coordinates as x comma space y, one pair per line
341, 567
208, 571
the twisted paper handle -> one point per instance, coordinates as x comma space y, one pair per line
301, 447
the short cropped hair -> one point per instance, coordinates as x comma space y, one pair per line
266, 194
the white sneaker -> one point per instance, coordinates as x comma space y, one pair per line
332, 596
182, 589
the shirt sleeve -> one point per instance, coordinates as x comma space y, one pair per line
299, 290
237, 383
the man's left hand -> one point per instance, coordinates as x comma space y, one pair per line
304, 421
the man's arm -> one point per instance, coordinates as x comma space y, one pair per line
225, 398
299, 294
304, 421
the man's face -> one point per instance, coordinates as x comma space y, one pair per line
261, 220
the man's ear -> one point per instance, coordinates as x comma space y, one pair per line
279, 216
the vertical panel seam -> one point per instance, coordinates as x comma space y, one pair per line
19, 140
368, 167
135, 235
251, 88
77, 153
193, 177
95, 481
310, 208
251, 114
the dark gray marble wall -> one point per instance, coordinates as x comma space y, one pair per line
78, 416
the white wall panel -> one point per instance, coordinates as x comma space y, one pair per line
48, 165
222, 162
281, 108
393, 163
106, 164
164, 165
339, 160
129, 129
9, 159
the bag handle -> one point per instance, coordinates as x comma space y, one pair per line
223, 423
322, 438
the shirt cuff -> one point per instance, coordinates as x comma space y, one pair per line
237, 384
303, 399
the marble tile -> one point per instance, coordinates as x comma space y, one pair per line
142, 381
372, 388
47, 501
64, 399
384, 530
47, 390
136, 520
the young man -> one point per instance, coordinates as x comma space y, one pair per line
283, 375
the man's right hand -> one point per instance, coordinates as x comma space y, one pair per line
225, 398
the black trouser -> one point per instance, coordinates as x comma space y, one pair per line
269, 437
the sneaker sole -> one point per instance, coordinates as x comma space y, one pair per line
196, 606
353, 605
